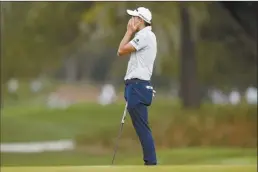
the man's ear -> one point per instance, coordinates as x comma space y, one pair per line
140, 20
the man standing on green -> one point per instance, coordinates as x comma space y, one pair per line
138, 88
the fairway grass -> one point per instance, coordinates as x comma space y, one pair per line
183, 156
94, 129
186, 168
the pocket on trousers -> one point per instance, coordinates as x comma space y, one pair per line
144, 93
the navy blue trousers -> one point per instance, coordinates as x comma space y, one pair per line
139, 96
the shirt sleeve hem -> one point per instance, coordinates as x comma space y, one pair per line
134, 45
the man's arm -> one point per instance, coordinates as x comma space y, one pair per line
125, 46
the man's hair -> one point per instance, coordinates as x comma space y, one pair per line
146, 24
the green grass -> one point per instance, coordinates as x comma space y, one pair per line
35, 123
180, 156
39, 123
187, 168
92, 121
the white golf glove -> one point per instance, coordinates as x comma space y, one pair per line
154, 92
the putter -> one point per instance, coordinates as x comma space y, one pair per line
121, 128
120, 133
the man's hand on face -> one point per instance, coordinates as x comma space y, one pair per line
132, 26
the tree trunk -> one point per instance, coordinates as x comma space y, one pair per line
189, 90
71, 69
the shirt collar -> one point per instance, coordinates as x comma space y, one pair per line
147, 28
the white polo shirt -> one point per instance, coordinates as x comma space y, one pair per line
141, 62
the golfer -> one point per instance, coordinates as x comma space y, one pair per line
140, 42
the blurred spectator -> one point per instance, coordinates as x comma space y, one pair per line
36, 86
108, 94
54, 101
218, 97
13, 85
251, 95
234, 97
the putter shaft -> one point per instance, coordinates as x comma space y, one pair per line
119, 134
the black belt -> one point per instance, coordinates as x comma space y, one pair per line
135, 80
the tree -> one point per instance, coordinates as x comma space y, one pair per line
188, 79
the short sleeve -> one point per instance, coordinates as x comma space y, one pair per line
139, 42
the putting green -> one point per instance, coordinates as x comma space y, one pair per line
186, 168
